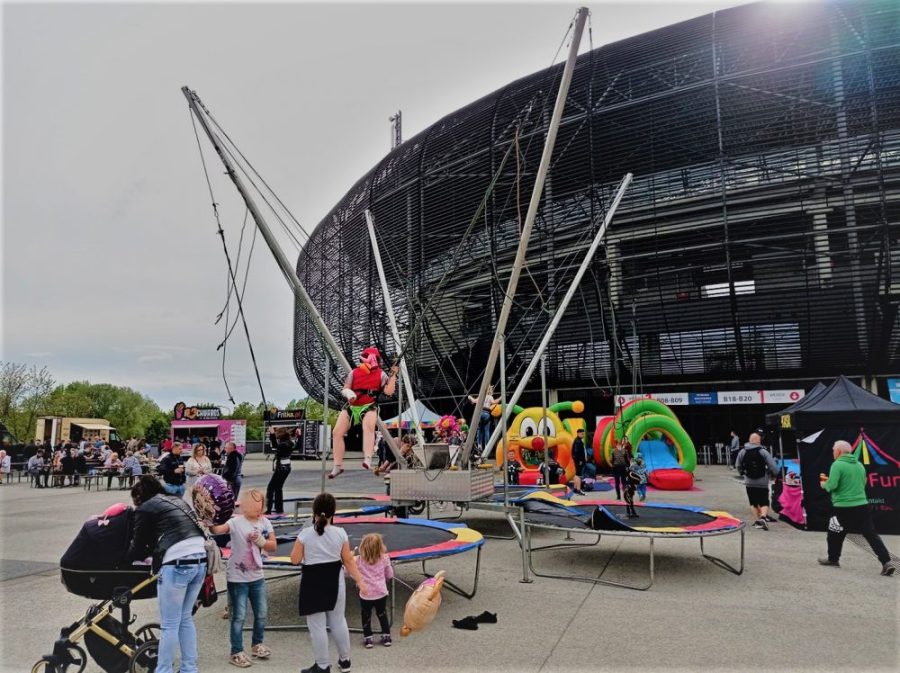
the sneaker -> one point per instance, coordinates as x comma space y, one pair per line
829, 562
368, 642
887, 570
770, 519
759, 523
240, 660
260, 651
764, 525
578, 491
386, 638
315, 668
344, 665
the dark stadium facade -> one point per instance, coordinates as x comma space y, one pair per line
758, 247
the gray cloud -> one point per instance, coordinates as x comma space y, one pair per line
112, 270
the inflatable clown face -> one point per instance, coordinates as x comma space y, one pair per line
531, 426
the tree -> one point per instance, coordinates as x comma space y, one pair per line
314, 409
127, 410
253, 414
24, 393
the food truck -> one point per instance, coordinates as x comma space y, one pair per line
192, 424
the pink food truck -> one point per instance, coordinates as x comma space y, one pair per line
195, 423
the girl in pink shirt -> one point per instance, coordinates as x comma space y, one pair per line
375, 568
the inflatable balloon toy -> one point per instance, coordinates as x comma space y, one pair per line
213, 499
423, 605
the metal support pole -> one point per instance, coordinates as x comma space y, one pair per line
395, 332
527, 226
544, 420
560, 310
326, 434
288, 271
505, 471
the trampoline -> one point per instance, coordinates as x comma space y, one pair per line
347, 505
654, 521
407, 541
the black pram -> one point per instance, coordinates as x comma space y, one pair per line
93, 567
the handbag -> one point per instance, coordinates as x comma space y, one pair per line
208, 594
213, 555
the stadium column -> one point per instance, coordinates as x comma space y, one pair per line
823, 253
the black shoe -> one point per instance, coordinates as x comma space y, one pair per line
486, 618
315, 668
829, 562
888, 569
578, 491
770, 519
467, 623
344, 665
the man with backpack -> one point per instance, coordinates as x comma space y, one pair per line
756, 465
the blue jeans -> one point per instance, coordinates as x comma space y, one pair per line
238, 593
485, 427
178, 588
172, 489
642, 490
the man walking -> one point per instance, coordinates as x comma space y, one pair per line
232, 470
846, 482
734, 447
756, 465
579, 458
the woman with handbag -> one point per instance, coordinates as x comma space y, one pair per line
324, 551
166, 529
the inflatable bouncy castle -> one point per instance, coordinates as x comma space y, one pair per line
654, 432
525, 438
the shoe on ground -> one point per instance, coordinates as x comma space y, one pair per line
344, 665
486, 618
829, 562
386, 640
758, 523
578, 491
260, 651
240, 660
466, 623
770, 519
315, 668
888, 569
368, 642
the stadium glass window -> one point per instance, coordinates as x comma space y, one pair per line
721, 289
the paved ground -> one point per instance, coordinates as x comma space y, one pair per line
784, 613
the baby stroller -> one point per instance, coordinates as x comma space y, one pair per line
90, 568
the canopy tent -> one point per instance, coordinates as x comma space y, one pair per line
871, 424
426, 416
775, 417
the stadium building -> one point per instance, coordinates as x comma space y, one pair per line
756, 252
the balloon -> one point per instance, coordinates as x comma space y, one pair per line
423, 605
213, 499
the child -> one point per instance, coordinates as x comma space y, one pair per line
376, 569
639, 467
631, 480
324, 550
251, 533
512, 468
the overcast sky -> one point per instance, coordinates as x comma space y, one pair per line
112, 271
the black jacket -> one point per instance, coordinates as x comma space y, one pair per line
232, 469
579, 455
158, 524
166, 469
282, 451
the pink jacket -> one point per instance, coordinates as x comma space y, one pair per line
375, 576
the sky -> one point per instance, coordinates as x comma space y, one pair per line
112, 268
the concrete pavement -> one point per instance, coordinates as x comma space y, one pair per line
784, 613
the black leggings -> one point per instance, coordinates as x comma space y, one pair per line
365, 610
619, 478
855, 520
274, 493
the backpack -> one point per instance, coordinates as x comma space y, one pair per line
754, 465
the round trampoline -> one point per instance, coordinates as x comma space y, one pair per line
600, 518
347, 505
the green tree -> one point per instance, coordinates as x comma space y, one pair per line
253, 414
127, 410
314, 409
24, 394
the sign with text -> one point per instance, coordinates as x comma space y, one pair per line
703, 398
186, 413
894, 389
274, 414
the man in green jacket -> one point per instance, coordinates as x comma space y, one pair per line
846, 482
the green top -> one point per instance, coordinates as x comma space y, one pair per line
847, 482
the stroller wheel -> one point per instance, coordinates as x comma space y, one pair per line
74, 661
43, 666
144, 659
147, 633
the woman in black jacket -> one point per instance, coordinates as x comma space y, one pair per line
166, 529
281, 468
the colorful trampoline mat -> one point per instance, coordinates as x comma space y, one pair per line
347, 505
405, 539
656, 518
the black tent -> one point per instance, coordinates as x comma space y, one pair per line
775, 418
871, 424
